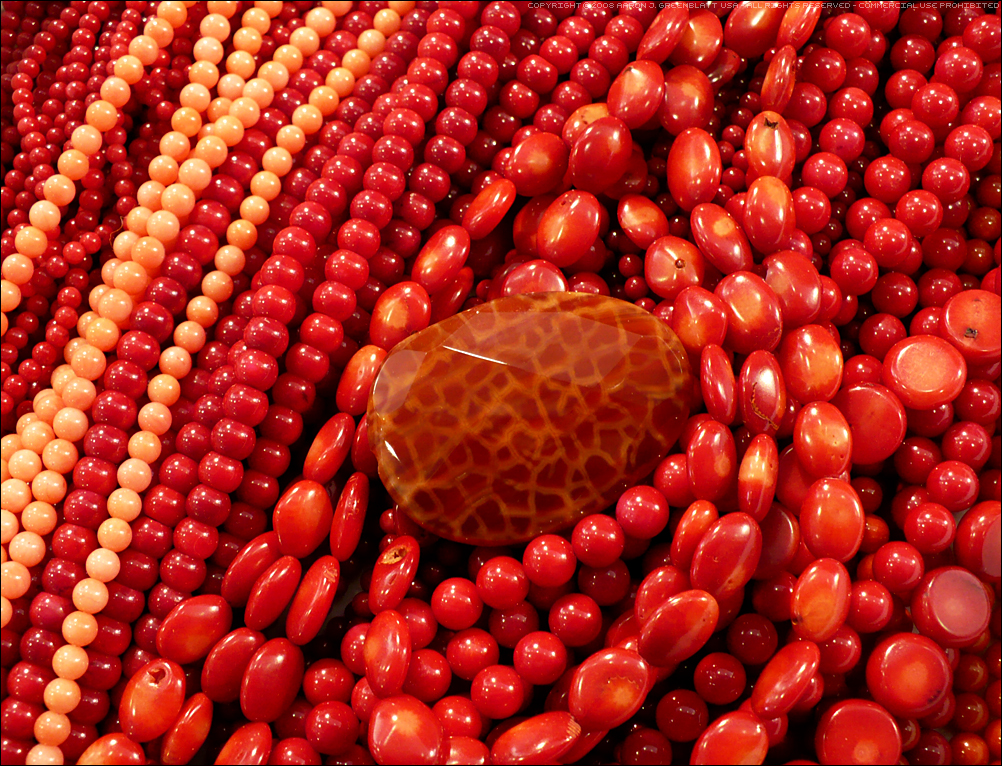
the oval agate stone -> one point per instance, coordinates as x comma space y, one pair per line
524, 414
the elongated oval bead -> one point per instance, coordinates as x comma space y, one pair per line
193, 627
302, 518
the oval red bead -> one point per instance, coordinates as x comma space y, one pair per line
303, 518
524, 414
152, 700
193, 627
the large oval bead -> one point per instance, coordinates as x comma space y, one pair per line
526, 413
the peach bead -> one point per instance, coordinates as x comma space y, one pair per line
341, 80
164, 389
89, 362
71, 348
48, 487
22, 423
103, 565
178, 200
195, 96
338, 7
402, 7
195, 173
163, 169
108, 270
208, 49
101, 115
320, 20
205, 72
357, 62
135, 475
325, 99
10, 444
39, 517
148, 253
116, 305
46, 405
371, 42
155, 417
216, 26
125, 504
386, 21
8, 526
266, 185
36, 434
231, 259
129, 68
145, 446
61, 694
277, 160
307, 118
190, 336
164, 225
44, 215
87, 139
24, 464
271, 7
15, 580
10, 295
52, 729
256, 19
18, 268
16, 495
135, 220
290, 57
161, 32
175, 145
203, 310
255, 209
79, 629
306, 39
6, 611
90, 595
246, 110
175, 361
144, 48
79, 393
275, 73
62, 375
44, 755
291, 138
59, 190
260, 91
114, 534
225, 7
132, 278
70, 662
116, 91
218, 286
148, 195
242, 233
186, 120
247, 40
60, 455
103, 334
229, 130
31, 241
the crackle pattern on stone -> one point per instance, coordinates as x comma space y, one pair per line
524, 414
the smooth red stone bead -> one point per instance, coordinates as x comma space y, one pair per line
403, 730
568, 227
488, 208
387, 653
727, 555
188, 732
250, 744
254, 558
737, 737
720, 238
769, 217
313, 601
812, 364
538, 164
672, 264
393, 574
754, 316
600, 154
856, 732
533, 277
641, 220
909, 674
978, 543
608, 688
784, 679
302, 518
441, 258
970, 322
329, 449
875, 411
543, 738
951, 606
679, 628
402, 310
355, 386
152, 700
193, 627
484, 489
663, 34
113, 748
832, 520
272, 592
694, 168
758, 475
924, 371
271, 681
635, 95
349, 516
821, 600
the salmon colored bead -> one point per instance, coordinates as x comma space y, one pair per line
87, 139
124, 504
59, 190
79, 628
129, 68
145, 49
44, 215
306, 40
241, 63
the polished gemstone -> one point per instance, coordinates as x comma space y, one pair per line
524, 414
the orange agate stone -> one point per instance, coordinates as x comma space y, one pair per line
522, 415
